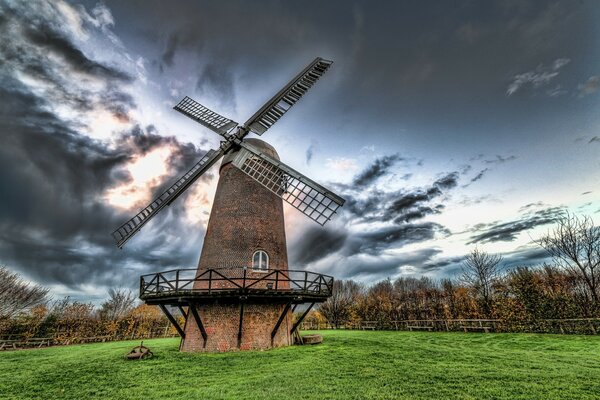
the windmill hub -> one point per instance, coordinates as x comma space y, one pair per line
242, 295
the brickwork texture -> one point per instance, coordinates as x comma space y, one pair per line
245, 217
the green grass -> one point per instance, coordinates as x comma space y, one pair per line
348, 365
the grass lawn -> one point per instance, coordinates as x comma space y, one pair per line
348, 365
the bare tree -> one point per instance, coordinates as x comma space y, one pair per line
480, 271
119, 303
337, 309
575, 245
17, 295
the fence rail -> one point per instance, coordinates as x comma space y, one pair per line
239, 281
18, 342
560, 326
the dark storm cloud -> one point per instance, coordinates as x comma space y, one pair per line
169, 53
394, 216
377, 169
500, 159
376, 242
317, 243
217, 81
374, 268
594, 139
508, 231
55, 221
408, 206
43, 36
310, 153
525, 257
479, 175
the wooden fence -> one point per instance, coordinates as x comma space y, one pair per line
588, 326
17, 342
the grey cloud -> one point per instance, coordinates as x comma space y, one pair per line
310, 153
508, 231
372, 269
169, 54
317, 243
54, 42
55, 223
500, 159
539, 77
479, 175
376, 242
217, 80
376, 170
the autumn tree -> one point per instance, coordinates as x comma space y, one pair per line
575, 245
480, 271
17, 295
120, 302
338, 307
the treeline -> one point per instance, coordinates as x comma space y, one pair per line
68, 321
521, 299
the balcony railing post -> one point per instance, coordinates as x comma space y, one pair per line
305, 279
177, 281
276, 279
244, 280
209, 280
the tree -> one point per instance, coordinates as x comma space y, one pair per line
480, 271
119, 303
17, 295
575, 245
338, 307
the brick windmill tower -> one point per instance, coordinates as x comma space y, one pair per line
242, 295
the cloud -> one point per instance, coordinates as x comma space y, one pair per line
316, 243
217, 81
53, 42
378, 241
479, 175
376, 223
595, 139
592, 85
310, 152
55, 222
500, 159
169, 53
541, 76
376, 170
508, 231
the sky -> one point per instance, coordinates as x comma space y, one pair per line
447, 126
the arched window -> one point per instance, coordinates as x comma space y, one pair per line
260, 261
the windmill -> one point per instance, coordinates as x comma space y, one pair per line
243, 265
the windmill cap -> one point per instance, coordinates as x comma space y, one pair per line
260, 144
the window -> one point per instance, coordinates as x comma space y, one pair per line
260, 261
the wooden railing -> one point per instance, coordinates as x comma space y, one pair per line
240, 280
562, 326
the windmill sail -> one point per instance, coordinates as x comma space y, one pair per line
205, 116
309, 197
274, 109
131, 227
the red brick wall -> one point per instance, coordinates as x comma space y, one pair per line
245, 217
222, 322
